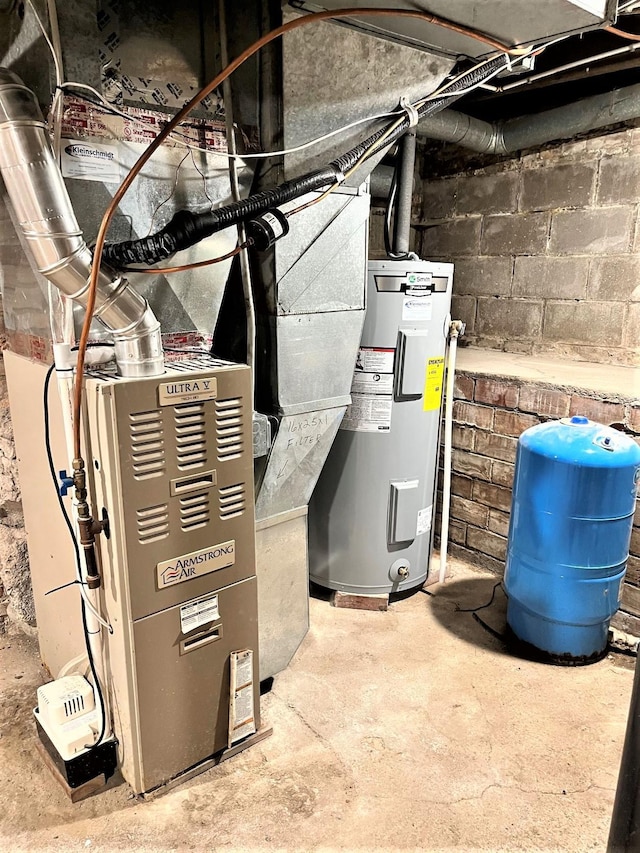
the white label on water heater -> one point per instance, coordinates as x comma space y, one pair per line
375, 359
368, 413
199, 612
372, 383
417, 308
424, 520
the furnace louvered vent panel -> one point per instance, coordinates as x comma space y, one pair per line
153, 523
229, 428
147, 444
191, 436
232, 501
194, 511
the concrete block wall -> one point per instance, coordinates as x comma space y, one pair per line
546, 247
489, 415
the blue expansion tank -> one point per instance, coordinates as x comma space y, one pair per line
573, 501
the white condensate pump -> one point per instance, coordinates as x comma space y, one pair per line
68, 715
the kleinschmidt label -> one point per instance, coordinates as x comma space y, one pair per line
196, 564
186, 390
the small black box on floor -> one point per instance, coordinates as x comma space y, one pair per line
100, 761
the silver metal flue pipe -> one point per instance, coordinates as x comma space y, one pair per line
45, 217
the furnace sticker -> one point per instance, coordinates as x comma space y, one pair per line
187, 391
90, 161
196, 564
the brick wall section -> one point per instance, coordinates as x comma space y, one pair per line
489, 415
546, 247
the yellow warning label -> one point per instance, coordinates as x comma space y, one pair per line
433, 384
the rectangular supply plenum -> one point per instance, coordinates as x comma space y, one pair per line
182, 445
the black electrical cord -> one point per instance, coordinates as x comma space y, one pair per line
186, 228
482, 606
391, 198
76, 549
474, 612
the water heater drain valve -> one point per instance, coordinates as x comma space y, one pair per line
400, 571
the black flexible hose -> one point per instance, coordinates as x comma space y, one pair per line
186, 228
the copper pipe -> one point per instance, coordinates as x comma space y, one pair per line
624, 35
194, 266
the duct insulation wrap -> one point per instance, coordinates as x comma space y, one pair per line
53, 239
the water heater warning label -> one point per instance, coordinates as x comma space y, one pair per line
375, 360
433, 384
368, 413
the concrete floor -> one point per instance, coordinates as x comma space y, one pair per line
411, 729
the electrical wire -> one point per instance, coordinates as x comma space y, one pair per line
170, 196
380, 142
195, 265
181, 139
391, 198
54, 54
482, 606
76, 550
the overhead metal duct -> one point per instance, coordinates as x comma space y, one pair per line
524, 132
53, 238
512, 22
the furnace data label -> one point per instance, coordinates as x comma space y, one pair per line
368, 413
242, 719
198, 613
90, 161
433, 384
196, 564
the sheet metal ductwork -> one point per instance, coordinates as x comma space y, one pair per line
518, 134
53, 239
